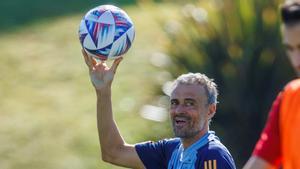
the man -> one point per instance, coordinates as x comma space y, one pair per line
278, 145
192, 105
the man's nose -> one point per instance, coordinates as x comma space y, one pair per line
180, 109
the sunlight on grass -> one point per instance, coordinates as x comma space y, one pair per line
48, 104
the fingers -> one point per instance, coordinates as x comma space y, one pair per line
116, 64
86, 59
93, 65
91, 62
94, 62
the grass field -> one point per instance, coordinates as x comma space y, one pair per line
47, 104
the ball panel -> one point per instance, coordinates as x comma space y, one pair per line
101, 34
106, 18
101, 30
82, 27
101, 54
82, 32
82, 37
94, 14
106, 35
121, 17
89, 43
131, 34
120, 46
122, 22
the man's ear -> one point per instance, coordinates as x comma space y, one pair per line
212, 108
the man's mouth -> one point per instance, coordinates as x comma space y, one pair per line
180, 121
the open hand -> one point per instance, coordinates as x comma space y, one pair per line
101, 75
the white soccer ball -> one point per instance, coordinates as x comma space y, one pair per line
106, 32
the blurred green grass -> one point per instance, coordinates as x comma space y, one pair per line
17, 13
47, 104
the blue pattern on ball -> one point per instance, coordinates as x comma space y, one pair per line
102, 32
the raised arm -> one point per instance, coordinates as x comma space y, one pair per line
114, 149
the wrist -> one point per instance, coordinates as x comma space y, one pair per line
103, 91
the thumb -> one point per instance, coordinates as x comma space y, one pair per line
116, 64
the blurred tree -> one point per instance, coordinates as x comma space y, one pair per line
237, 43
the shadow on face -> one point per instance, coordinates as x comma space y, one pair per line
291, 41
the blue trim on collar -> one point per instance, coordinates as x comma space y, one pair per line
186, 158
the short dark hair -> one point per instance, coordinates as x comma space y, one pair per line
290, 12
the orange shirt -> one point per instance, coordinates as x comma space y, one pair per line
289, 123
280, 140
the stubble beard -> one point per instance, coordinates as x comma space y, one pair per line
188, 131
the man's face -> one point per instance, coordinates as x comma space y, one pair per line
291, 40
189, 110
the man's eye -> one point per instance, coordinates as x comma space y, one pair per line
189, 103
288, 48
174, 103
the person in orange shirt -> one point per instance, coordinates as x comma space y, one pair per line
279, 142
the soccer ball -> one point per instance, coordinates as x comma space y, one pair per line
106, 32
